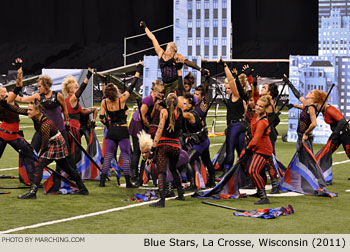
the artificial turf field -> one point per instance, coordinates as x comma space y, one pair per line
313, 215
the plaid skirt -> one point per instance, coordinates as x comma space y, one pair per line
56, 149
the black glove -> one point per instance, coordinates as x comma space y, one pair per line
248, 71
255, 81
143, 24
204, 72
17, 65
139, 68
221, 62
92, 124
67, 127
89, 74
290, 106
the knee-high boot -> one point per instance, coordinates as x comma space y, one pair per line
275, 189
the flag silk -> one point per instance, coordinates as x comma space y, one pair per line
324, 159
200, 173
219, 157
54, 184
304, 175
23, 171
267, 213
86, 168
228, 187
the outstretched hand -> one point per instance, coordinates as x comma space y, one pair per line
143, 24
246, 69
18, 63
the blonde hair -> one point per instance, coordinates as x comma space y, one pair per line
67, 84
46, 81
244, 81
157, 85
319, 95
145, 140
267, 99
171, 103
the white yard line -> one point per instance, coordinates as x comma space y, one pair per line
81, 216
342, 162
340, 152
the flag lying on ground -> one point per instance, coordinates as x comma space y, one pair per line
86, 168
267, 213
54, 184
147, 196
324, 159
304, 175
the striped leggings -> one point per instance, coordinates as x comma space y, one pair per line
256, 168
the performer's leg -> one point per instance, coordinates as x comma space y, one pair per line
135, 157
36, 142
162, 161
26, 151
190, 172
110, 149
207, 162
72, 172
257, 164
37, 177
3, 144
173, 156
124, 145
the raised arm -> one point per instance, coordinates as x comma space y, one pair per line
128, 92
151, 36
19, 82
295, 91
231, 80
204, 72
74, 98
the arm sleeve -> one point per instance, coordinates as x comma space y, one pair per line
81, 89
191, 64
180, 88
132, 85
18, 110
259, 132
45, 136
240, 90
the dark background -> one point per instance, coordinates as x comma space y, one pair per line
82, 33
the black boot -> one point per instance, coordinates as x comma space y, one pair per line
128, 182
169, 192
102, 180
263, 198
31, 194
135, 174
161, 202
180, 193
140, 179
275, 189
190, 176
82, 189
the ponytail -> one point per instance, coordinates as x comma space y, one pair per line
171, 103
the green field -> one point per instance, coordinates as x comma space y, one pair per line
312, 214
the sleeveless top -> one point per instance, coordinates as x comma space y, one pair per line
193, 127
168, 69
304, 120
74, 113
235, 110
118, 116
178, 125
52, 109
